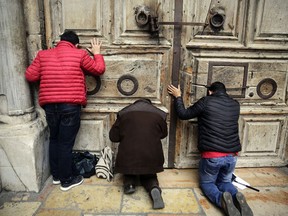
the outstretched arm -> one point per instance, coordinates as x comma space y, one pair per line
182, 112
95, 46
97, 65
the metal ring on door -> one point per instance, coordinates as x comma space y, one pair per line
97, 83
266, 88
132, 79
217, 20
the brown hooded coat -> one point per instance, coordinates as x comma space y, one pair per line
139, 128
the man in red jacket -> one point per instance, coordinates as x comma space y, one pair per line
62, 92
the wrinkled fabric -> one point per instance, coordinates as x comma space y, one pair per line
215, 176
64, 123
139, 128
217, 122
61, 73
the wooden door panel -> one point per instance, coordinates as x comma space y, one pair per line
263, 139
187, 153
126, 30
146, 72
237, 73
89, 19
268, 27
266, 141
263, 107
231, 34
94, 132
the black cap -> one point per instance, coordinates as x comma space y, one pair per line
70, 36
217, 87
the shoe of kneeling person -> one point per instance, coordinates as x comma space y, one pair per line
242, 205
157, 198
75, 181
129, 189
228, 205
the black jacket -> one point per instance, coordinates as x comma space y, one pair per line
218, 116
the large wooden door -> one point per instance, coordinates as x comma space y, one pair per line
242, 43
138, 64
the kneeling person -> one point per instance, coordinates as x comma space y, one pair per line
139, 128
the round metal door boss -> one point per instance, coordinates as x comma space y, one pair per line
93, 84
266, 88
127, 85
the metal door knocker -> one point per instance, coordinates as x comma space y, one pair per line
217, 18
144, 16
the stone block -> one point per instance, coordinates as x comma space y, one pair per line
24, 156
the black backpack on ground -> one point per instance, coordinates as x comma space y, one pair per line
84, 163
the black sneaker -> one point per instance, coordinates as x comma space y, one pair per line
157, 198
228, 205
56, 181
242, 205
76, 180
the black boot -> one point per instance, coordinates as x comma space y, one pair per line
129, 188
228, 205
130, 183
157, 198
242, 205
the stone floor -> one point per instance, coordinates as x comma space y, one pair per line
181, 195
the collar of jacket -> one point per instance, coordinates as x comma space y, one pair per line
144, 101
220, 93
66, 44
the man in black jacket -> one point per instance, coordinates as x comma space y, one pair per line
218, 143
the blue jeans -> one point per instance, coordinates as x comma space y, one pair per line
64, 123
215, 175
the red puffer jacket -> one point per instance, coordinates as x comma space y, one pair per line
61, 73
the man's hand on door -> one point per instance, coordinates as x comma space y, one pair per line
176, 92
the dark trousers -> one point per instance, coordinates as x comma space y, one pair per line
64, 123
147, 181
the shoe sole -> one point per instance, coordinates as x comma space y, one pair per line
244, 207
230, 207
71, 186
56, 182
157, 199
